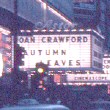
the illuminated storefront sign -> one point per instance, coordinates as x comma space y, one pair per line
5, 51
62, 50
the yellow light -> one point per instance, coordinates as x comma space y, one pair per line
40, 70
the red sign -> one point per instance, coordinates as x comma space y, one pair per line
57, 78
108, 90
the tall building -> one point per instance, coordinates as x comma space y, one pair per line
94, 14
104, 23
86, 13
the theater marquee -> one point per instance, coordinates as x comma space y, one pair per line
60, 50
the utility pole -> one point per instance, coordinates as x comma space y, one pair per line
15, 29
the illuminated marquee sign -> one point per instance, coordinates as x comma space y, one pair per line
58, 51
106, 64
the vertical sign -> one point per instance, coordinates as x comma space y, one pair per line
6, 50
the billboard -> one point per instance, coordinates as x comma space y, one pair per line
6, 57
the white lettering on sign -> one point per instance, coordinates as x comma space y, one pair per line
58, 51
106, 65
26, 40
88, 77
63, 39
47, 39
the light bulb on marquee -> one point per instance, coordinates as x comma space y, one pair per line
40, 70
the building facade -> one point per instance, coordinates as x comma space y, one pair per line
86, 13
104, 23
53, 17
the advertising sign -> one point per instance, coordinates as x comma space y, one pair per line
5, 51
58, 51
88, 77
106, 64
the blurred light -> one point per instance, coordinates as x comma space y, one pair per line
28, 30
58, 30
35, 30
44, 30
44, 6
88, 30
51, 30
4, 31
74, 30
81, 29
40, 86
99, 34
44, 88
58, 83
66, 30
40, 82
40, 70
108, 89
22, 30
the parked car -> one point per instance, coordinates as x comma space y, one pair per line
37, 107
32, 104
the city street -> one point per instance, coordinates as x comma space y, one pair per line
55, 55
